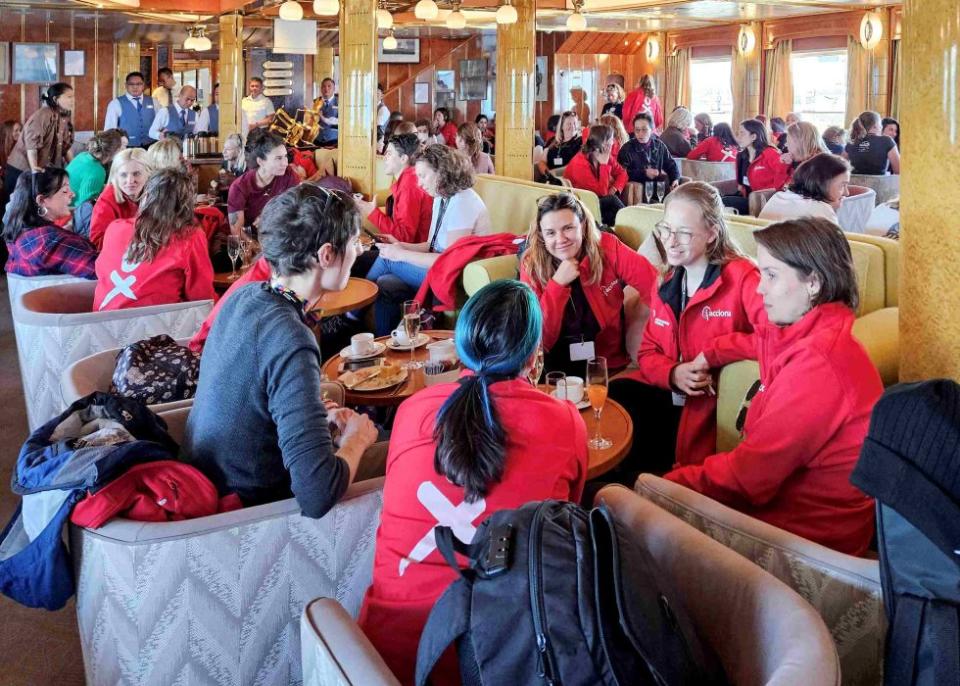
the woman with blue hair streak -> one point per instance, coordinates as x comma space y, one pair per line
458, 453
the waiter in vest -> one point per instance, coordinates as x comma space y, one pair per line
180, 119
133, 112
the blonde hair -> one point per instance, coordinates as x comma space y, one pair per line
708, 201
807, 135
681, 118
540, 264
165, 154
615, 123
618, 89
138, 155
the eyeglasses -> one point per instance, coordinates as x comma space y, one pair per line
664, 232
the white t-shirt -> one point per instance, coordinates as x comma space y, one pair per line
383, 115
253, 109
465, 215
790, 205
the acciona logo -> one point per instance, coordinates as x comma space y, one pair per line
707, 313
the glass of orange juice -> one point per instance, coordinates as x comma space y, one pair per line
597, 380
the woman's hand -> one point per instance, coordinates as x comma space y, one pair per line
692, 378
391, 251
365, 207
567, 272
652, 173
786, 158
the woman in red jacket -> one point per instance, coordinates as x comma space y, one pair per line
128, 175
161, 256
709, 291
578, 274
810, 410
758, 165
595, 169
459, 452
721, 146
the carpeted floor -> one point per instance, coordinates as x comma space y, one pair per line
37, 647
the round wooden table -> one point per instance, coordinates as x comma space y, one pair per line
358, 293
616, 425
397, 394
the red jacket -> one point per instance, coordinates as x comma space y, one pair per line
581, 175
449, 133
728, 304
440, 284
637, 102
712, 150
180, 272
546, 457
766, 171
107, 210
412, 210
259, 271
803, 434
621, 266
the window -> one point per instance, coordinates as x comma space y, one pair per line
820, 87
710, 90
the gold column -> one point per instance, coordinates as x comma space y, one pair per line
127, 60
516, 90
322, 67
231, 74
929, 305
358, 93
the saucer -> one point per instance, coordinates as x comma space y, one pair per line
378, 348
582, 405
422, 339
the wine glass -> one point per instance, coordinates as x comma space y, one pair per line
234, 246
411, 326
555, 382
661, 190
597, 380
648, 192
534, 375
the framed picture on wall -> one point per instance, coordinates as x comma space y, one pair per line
406, 52
446, 99
421, 93
542, 79
36, 62
4, 62
446, 80
473, 79
73, 63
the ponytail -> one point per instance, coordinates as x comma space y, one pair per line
497, 333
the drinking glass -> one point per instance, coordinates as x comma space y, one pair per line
234, 246
648, 192
555, 382
661, 190
411, 326
597, 380
537, 369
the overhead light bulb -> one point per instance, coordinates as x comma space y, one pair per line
190, 42
507, 14
576, 21
326, 8
390, 42
384, 19
456, 19
426, 10
201, 43
291, 11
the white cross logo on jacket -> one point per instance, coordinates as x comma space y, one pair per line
459, 518
121, 286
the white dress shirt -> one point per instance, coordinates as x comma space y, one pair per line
112, 120
253, 109
790, 205
200, 125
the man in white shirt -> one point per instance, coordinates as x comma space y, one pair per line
163, 94
256, 110
133, 112
179, 119
383, 112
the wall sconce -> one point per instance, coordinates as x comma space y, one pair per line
746, 40
871, 30
653, 48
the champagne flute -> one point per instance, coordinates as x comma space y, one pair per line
597, 380
648, 192
234, 246
411, 325
534, 375
661, 190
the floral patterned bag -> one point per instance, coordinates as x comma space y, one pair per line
156, 370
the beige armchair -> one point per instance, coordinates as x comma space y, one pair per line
701, 170
17, 285
887, 186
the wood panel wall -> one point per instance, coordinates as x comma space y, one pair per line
72, 30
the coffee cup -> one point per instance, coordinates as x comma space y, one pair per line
574, 387
400, 336
442, 350
361, 344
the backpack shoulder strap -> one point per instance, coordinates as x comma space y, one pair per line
448, 621
448, 544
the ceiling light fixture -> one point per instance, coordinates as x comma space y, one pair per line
291, 11
201, 43
507, 14
326, 8
456, 20
576, 21
384, 18
190, 42
871, 30
426, 10
390, 42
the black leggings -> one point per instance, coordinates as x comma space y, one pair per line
739, 202
656, 421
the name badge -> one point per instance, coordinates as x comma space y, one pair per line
580, 352
679, 399
746, 181
558, 161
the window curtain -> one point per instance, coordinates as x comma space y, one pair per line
895, 90
858, 77
677, 92
779, 96
745, 86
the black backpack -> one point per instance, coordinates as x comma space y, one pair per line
910, 462
553, 595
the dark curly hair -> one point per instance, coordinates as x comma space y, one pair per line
405, 144
454, 170
23, 213
297, 223
260, 143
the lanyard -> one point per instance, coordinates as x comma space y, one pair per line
436, 232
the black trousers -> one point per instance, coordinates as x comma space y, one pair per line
609, 206
656, 421
740, 203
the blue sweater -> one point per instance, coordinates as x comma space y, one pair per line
258, 426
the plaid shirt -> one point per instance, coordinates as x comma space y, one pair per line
51, 250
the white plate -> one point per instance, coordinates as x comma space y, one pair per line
422, 339
378, 348
582, 405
